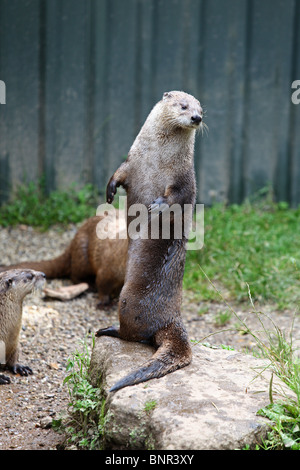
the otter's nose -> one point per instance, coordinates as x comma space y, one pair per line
196, 118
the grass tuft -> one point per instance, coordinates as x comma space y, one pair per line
31, 206
255, 243
283, 361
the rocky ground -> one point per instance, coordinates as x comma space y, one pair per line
52, 331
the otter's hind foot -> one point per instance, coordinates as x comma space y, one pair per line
109, 331
19, 369
4, 379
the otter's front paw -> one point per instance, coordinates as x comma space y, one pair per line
4, 379
111, 191
158, 206
22, 370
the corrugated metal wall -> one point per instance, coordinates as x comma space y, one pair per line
82, 75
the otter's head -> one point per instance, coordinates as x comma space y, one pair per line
182, 110
16, 283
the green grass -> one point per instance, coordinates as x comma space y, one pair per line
150, 406
256, 243
283, 361
222, 318
30, 206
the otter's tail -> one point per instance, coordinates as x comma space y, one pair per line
174, 352
54, 268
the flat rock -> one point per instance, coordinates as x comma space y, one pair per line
210, 404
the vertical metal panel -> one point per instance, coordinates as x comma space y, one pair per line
67, 44
19, 69
293, 186
121, 87
82, 75
222, 93
268, 75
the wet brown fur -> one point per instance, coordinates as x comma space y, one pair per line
159, 170
14, 286
87, 258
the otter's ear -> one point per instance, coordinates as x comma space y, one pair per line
167, 95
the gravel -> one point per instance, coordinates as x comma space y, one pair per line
52, 331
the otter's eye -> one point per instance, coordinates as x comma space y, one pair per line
9, 282
183, 106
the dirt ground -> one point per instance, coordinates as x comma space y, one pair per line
52, 331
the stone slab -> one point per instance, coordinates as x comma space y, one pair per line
211, 404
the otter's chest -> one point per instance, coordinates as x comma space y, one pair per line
147, 183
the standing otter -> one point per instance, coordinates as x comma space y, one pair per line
88, 257
14, 286
158, 173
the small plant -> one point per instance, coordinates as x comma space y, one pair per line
285, 430
227, 347
86, 426
150, 406
204, 309
285, 415
222, 318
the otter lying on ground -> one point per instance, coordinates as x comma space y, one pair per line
87, 258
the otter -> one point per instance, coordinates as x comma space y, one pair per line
15, 284
88, 258
158, 173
